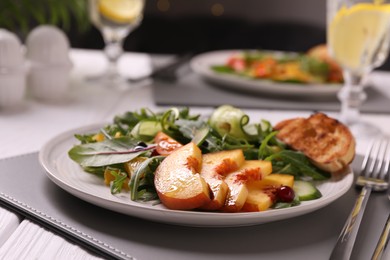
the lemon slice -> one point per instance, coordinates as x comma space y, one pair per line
121, 11
356, 34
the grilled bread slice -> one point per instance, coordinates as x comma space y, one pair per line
325, 141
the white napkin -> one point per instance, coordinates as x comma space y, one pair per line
30, 241
8, 224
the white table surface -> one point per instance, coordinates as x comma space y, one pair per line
27, 128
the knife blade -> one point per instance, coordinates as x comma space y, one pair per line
166, 72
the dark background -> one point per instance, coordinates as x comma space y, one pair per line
198, 34
180, 26
200, 25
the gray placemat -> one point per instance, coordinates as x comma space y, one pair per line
191, 90
25, 185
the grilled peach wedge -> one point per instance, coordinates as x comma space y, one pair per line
250, 171
258, 200
215, 167
273, 180
178, 182
261, 193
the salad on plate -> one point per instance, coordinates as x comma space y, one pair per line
220, 163
313, 67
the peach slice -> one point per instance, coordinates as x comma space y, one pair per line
250, 171
274, 180
178, 182
261, 194
258, 200
215, 167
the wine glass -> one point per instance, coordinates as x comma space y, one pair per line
358, 34
115, 19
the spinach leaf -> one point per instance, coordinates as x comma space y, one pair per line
107, 152
282, 205
188, 128
99, 171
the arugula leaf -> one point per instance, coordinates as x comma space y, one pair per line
117, 184
264, 150
129, 120
299, 162
142, 181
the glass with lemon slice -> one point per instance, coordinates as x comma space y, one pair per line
115, 19
358, 37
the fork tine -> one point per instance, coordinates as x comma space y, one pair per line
376, 162
370, 162
367, 158
386, 160
380, 158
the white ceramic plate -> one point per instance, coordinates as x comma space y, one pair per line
201, 64
70, 177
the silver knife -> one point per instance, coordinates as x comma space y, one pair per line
167, 72
382, 250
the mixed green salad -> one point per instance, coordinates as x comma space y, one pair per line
126, 152
301, 68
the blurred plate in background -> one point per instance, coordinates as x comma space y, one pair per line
202, 65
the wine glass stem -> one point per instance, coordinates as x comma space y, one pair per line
351, 96
113, 51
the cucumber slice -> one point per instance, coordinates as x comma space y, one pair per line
201, 135
146, 130
306, 190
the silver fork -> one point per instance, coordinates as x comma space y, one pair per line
372, 177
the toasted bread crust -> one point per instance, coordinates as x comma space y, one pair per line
327, 142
